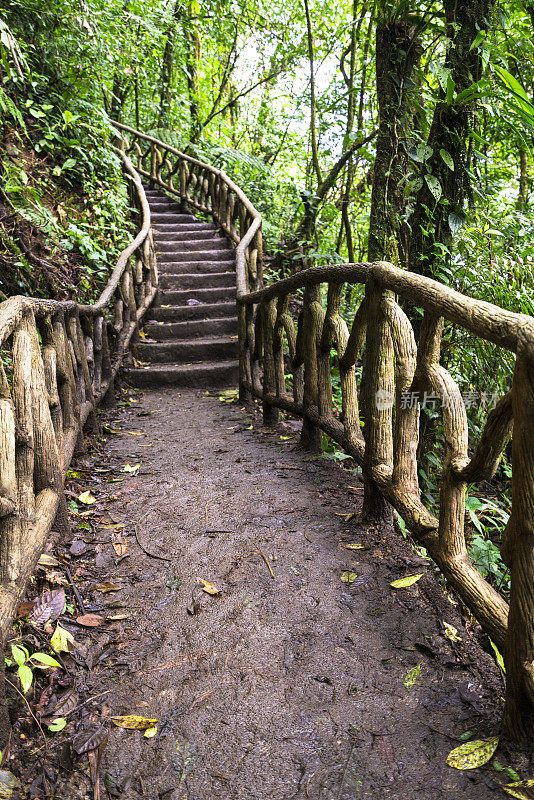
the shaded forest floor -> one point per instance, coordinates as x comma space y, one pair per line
307, 676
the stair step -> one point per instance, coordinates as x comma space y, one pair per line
183, 227
177, 256
207, 375
197, 246
196, 280
185, 236
192, 329
205, 294
202, 311
222, 347
172, 216
176, 268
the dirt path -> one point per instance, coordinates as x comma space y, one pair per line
281, 687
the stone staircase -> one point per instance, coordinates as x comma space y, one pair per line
191, 329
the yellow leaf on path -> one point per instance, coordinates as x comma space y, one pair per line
348, 577
130, 467
408, 580
514, 789
411, 676
107, 586
451, 632
208, 587
134, 723
150, 732
60, 640
472, 754
46, 560
354, 546
87, 498
117, 617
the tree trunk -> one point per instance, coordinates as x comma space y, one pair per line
445, 181
397, 53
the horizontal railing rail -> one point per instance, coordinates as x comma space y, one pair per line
59, 361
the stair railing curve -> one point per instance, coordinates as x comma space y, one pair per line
58, 363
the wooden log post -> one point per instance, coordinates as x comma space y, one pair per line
518, 720
378, 400
268, 315
312, 328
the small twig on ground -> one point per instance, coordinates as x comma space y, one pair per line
143, 548
75, 590
31, 713
267, 562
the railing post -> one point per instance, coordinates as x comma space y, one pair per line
518, 721
312, 322
378, 399
268, 316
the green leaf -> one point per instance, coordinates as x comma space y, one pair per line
498, 656
435, 186
451, 86
57, 725
20, 654
348, 577
481, 35
43, 658
457, 220
473, 754
26, 677
411, 676
514, 789
447, 159
408, 580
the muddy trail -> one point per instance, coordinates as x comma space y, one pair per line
307, 675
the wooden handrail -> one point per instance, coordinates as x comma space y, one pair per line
59, 362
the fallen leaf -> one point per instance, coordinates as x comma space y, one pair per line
134, 723
89, 739
130, 468
87, 498
90, 620
117, 617
207, 587
120, 545
348, 577
48, 607
60, 640
451, 633
408, 580
514, 789
473, 754
47, 561
56, 725
23, 610
8, 782
411, 676
66, 703
150, 732
354, 546
107, 586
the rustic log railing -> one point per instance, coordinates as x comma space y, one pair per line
383, 436
58, 363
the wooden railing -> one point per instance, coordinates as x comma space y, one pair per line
58, 362
382, 436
